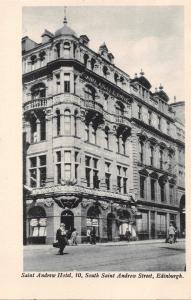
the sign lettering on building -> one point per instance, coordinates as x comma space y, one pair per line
103, 86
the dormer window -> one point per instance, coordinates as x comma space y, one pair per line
58, 50
86, 57
92, 63
66, 50
89, 93
42, 58
105, 71
116, 78
33, 61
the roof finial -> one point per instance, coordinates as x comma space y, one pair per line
174, 99
160, 87
65, 19
142, 73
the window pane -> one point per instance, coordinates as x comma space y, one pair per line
67, 156
42, 176
42, 160
87, 161
33, 178
67, 171
33, 162
58, 156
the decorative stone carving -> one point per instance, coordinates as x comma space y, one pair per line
86, 202
48, 202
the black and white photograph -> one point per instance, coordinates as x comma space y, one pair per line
103, 112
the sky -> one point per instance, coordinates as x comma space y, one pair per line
150, 38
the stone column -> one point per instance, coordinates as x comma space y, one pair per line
149, 223
102, 162
113, 164
49, 158
38, 129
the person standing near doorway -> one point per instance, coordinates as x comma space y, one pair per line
74, 237
93, 236
171, 232
61, 237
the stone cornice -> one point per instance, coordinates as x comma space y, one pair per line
156, 131
152, 108
59, 190
159, 205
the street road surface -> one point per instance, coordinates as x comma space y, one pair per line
103, 257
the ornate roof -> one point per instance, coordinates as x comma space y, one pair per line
65, 30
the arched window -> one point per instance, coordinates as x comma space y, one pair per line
58, 122
106, 102
106, 137
116, 78
42, 127
33, 61
57, 48
42, 55
124, 145
151, 155
67, 122
94, 135
92, 63
38, 91
75, 123
141, 151
161, 159
118, 143
119, 109
66, 50
33, 126
86, 57
87, 132
89, 93
37, 225
105, 71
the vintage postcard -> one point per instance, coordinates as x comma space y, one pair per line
95, 147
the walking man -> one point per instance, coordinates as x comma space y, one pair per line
61, 238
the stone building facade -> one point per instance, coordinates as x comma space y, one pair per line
100, 149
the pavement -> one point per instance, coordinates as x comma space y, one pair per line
147, 255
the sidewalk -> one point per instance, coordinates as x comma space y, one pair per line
109, 244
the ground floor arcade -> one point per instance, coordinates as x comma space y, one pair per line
111, 219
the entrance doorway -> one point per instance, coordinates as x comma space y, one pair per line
37, 225
93, 220
110, 226
67, 217
182, 216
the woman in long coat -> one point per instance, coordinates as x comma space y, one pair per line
61, 236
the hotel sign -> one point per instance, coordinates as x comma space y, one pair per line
103, 86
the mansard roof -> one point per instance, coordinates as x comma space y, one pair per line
142, 80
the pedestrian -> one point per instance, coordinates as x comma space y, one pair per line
171, 232
93, 236
74, 237
175, 234
61, 237
88, 235
128, 235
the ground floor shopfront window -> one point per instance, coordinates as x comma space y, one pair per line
161, 226
37, 225
142, 226
93, 220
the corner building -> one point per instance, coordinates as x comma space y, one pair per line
99, 148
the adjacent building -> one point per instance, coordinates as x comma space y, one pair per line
100, 149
